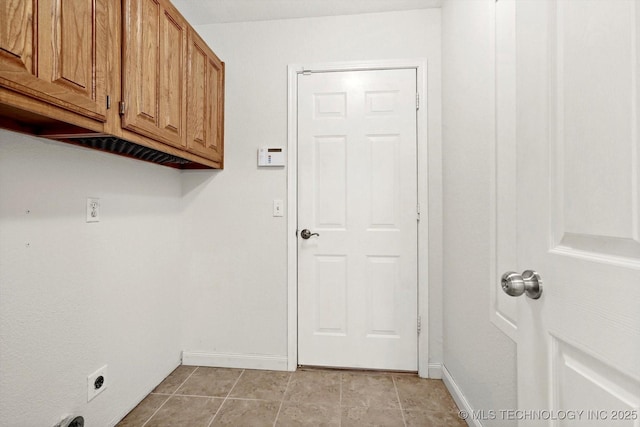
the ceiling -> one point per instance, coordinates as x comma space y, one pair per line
199, 12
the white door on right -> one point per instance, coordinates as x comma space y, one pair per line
578, 185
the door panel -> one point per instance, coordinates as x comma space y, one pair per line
154, 71
18, 38
330, 292
383, 278
72, 42
330, 182
172, 51
596, 207
577, 122
56, 51
148, 64
205, 100
357, 188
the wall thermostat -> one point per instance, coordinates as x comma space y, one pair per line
271, 156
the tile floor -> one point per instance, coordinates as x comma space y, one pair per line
199, 396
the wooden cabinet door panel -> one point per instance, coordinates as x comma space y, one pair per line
17, 37
205, 101
71, 60
56, 51
154, 43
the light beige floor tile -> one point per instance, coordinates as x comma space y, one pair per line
361, 416
267, 385
215, 382
293, 414
186, 411
372, 390
170, 384
423, 394
247, 413
314, 387
433, 419
145, 409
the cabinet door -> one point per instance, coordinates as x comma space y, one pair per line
153, 70
56, 51
205, 101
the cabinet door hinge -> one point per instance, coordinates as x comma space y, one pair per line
417, 100
121, 106
418, 211
108, 102
419, 324
306, 72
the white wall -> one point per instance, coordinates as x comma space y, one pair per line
237, 251
195, 261
479, 357
75, 296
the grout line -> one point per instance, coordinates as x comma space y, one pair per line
341, 380
225, 399
282, 400
156, 411
185, 380
340, 402
399, 401
169, 397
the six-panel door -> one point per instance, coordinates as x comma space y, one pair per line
56, 51
357, 188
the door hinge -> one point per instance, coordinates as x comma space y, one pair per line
417, 100
418, 211
108, 102
419, 324
121, 105
306, 72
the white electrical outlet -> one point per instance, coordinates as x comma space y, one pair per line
93, 209
97, 383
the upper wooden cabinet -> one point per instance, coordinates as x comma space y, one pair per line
205, 100
154, 57
56, 51
63, 62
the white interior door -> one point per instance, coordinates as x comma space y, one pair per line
357, 188
578, 211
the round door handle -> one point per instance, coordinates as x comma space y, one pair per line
305, 234
529, 283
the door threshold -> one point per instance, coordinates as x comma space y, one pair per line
362, 370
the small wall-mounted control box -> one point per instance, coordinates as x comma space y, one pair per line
271, 156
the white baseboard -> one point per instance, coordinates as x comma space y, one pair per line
435, 371
459, 397
231, 360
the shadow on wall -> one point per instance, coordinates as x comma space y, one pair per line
194, 181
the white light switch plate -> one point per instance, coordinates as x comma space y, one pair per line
278, 207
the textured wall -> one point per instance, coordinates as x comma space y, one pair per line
76, 296
480, 358
237, 250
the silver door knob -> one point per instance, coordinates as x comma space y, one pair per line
529, 283
305, 234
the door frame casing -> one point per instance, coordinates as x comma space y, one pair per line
420, 65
